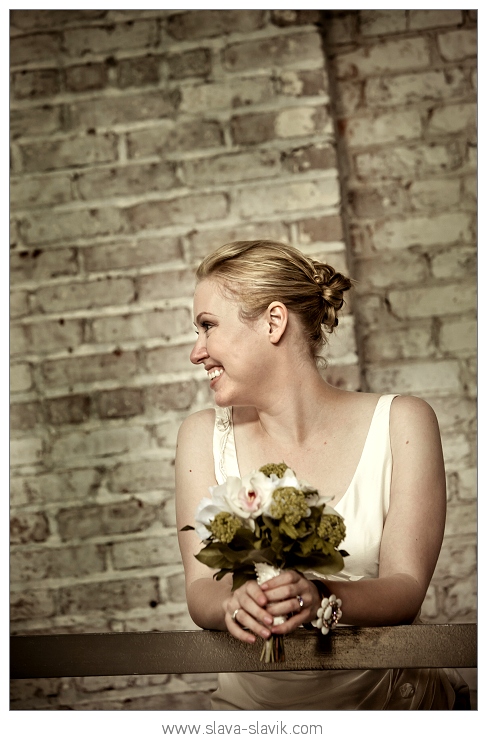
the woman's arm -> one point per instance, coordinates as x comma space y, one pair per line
412, 535
211, 603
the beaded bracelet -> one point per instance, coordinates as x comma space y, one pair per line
329, 612
328, 615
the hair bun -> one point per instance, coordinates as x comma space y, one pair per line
332, 285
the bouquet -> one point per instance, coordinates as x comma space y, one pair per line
264, 523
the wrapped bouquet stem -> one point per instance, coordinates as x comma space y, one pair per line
273, 650
264, 523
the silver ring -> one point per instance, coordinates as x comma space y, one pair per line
234, 615
300, 600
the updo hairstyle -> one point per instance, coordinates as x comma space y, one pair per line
260, 272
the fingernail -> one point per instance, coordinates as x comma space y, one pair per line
269, 620
264, 586
266, 634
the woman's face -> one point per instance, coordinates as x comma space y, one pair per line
233, 352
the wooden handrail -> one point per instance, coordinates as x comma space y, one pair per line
347, 648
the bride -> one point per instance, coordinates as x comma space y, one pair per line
262, 313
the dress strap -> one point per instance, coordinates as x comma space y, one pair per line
224, 452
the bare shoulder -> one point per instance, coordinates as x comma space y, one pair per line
197, 426
413, 415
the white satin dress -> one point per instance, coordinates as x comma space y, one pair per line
363, 507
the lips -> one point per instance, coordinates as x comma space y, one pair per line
214, 373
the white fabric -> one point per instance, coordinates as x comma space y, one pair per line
364, 507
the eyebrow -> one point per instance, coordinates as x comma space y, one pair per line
203, 313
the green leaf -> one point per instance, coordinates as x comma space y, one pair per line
240, 577
219, 575
320, 564
212, 557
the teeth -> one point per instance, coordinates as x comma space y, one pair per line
214, 374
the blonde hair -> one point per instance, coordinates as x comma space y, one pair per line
260, 272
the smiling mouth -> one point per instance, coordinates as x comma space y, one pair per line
215, 373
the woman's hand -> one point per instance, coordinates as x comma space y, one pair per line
283, 595
252, 617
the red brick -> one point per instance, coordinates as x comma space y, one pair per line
205, 241
90, 77
72, 561
180, 211
309, 158
51, 336
24, 416
29, 527
128, 254
85, 295
252, 129
420, 19
208, 23
142, 476
45, 120
52, 487
32, 604
148, 552
231, 168
170, 396
72, 409
123, 402
35, 84
105, 519
27, 20
163, 323
168, 359
387, 56
163, 285
298, 83
138, 71
110, 38
295, 17
109, 596
123, 109
277, 52
19, 304
172, 136
381, 201
49, 189
38, 264
176, 588
126, 180
34, 48
68, 371
194, 63
67, 153
321, 229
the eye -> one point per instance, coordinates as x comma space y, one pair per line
206, 326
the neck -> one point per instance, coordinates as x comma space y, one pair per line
296, 406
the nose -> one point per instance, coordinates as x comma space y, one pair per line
198, 353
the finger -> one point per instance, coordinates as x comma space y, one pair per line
289, 606
290, 576
248, 623
291, 624
284, 592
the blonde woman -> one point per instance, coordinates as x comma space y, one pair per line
262, 313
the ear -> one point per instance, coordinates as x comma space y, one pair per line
277, 317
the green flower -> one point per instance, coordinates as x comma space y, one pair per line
331, 529
289, 503
224, 526
279, 469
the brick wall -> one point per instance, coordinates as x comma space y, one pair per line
404, 84
141, 140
